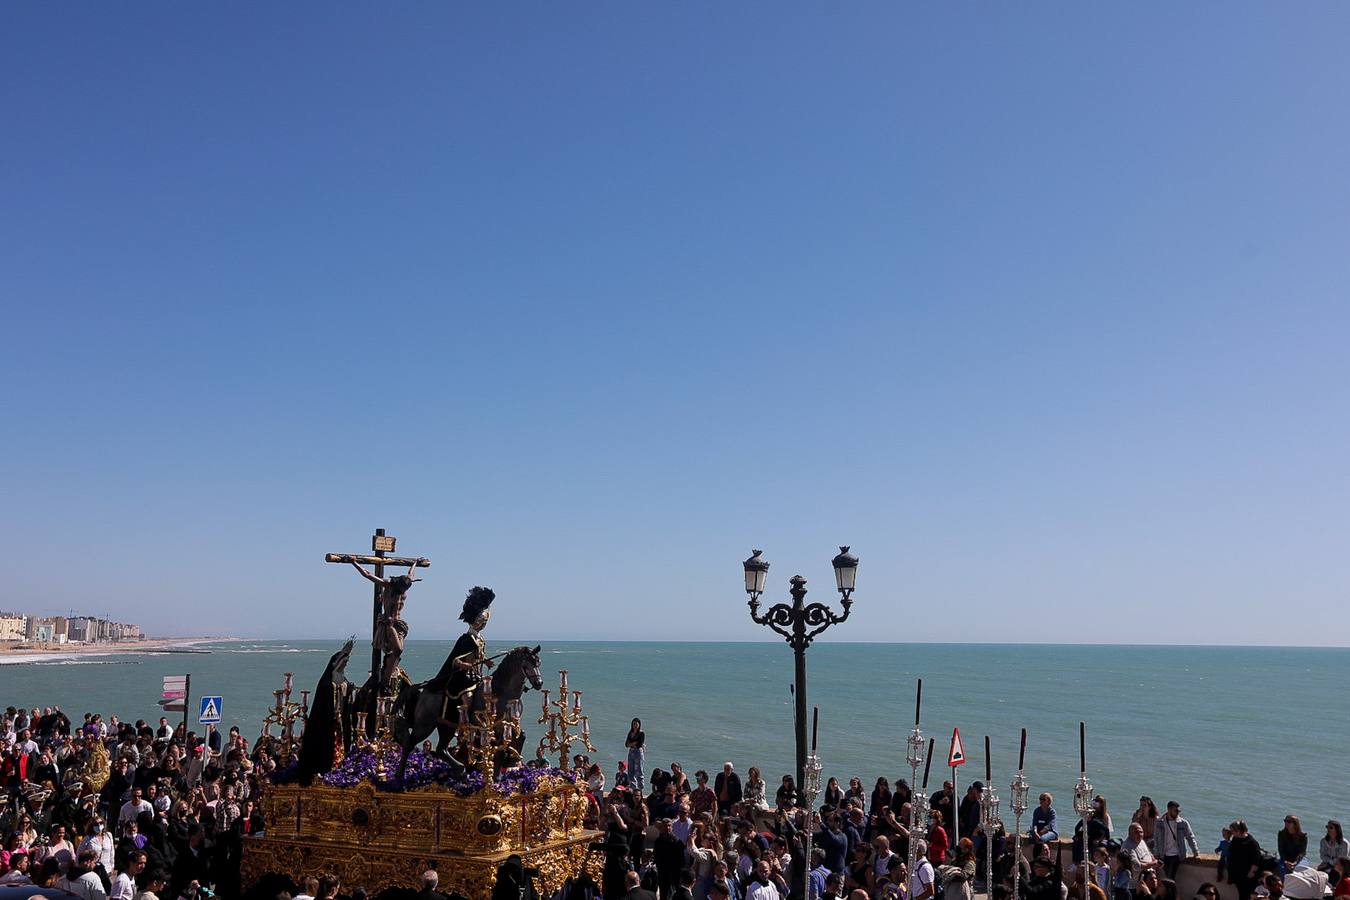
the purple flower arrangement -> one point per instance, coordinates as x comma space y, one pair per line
427, 768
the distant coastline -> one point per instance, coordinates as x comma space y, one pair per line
16, 651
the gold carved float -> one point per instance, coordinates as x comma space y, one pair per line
384, 839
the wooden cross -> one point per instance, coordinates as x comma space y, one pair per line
380, 544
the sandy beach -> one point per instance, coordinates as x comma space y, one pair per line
18, 651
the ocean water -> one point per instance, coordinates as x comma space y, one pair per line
1226, 731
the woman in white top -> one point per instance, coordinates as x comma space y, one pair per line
754, 790
1333, 847
97, 838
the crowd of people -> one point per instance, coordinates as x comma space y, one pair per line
111, 810
728, 837
120, 810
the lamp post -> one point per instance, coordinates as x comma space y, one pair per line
799, 623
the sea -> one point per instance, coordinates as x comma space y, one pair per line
1250, 732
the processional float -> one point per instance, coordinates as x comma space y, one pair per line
351, 795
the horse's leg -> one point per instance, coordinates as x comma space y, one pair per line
443, 730
402, 763
443, 736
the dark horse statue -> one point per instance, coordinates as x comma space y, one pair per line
418, 711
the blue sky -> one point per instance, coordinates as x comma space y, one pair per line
1041, 308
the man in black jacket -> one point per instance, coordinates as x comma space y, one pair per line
833, 842
1244, 860
429, 882
686, 889
192, 863
635, 889
969, 811
668, 854
514, 881
944, 802
727, 787
1043, 884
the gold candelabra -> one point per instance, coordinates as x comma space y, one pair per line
284, 714
560, 738
484, 735
384, 737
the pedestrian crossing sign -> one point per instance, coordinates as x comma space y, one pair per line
210, 711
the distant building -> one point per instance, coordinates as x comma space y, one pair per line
63, 629
12, 626
77, 629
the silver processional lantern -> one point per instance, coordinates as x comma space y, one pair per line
1082, 792
1018, 804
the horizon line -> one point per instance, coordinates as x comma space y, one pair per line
506, 640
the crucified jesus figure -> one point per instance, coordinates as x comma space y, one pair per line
390, 629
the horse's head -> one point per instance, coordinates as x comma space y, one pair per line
530, 658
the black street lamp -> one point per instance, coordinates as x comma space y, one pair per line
799, 623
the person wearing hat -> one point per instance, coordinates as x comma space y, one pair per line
459, 674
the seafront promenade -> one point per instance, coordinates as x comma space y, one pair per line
23, 651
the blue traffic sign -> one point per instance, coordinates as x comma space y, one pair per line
210, 711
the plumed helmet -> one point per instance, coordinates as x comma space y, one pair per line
479, 599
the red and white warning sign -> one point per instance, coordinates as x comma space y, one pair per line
957, 756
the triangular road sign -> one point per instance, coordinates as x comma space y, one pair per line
957, 756
210, 710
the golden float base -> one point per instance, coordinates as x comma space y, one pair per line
377, 869
379, 840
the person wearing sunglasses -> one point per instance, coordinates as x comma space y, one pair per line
1332, 847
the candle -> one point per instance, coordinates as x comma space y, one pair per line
290, 680
545, 702
562, 675
585, 726
508, 732
577, 705
463, 715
